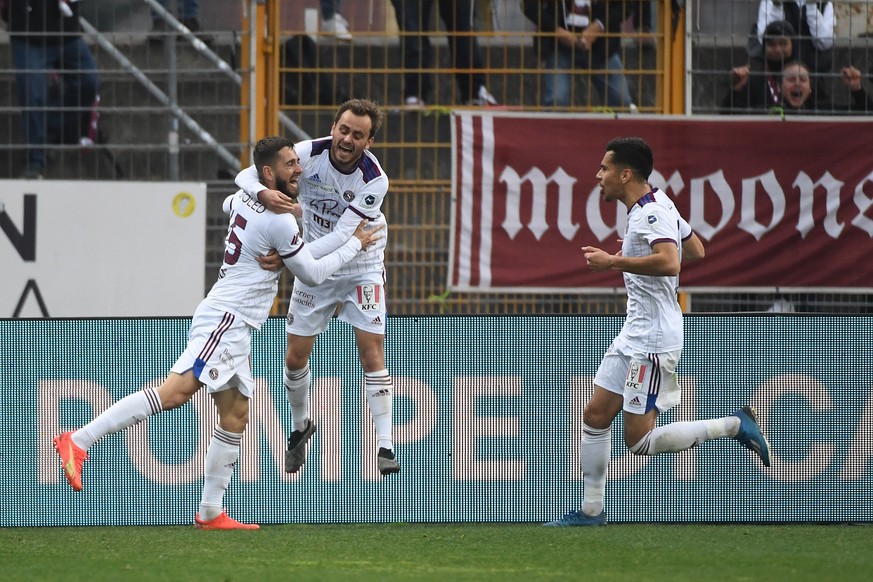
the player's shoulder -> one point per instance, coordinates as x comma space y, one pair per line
370, 168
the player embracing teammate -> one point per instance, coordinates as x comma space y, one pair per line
342, 183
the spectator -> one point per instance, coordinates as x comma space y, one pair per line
457, 15
799, 94
584, 34
45, 36
333, 22
756, 86
814, 25
189, 12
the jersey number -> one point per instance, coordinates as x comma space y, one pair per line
231, 258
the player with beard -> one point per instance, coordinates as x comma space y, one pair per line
638, 372
219, 343
342, 183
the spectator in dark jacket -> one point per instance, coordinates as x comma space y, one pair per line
46, 38
800, 97
756, 87
581, 34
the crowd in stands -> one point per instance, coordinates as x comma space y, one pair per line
790, 67
791, 64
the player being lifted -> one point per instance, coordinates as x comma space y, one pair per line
219, 341
342, 183
638, 371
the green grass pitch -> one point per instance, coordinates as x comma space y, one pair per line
634, 552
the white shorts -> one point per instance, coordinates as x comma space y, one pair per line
218, 351
361, 299
646, 381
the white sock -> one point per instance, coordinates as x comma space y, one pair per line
678, 436
379, 388
594, 452
297, 391
221, 457
125, 413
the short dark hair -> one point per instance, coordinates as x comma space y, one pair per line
267, 151
779, 29
633, 153
363, 107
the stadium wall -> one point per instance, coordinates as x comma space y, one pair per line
487, 414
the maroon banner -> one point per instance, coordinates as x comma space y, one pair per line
777, 203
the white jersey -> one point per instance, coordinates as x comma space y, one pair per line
334, 203
245, 289
654, 318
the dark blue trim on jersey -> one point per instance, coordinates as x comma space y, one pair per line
660, 240
361, 214
649, 197
292, 253
320, 145
369, 168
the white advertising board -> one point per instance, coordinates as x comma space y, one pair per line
101, 249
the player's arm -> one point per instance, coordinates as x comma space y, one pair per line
313, 271
351, 217
663, 262
274, 200
692, 248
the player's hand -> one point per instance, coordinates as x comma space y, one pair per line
597, 259
271, 261
279, 203
366, 235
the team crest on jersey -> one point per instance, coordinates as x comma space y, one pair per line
653, 219
369, 201
213, 374
348, 195
369, 297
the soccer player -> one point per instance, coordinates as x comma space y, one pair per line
638, 372
342, 183
219, 341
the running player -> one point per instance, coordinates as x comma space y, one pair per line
342, 183
638, 371
219, 341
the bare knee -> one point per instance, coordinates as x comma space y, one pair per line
178, 389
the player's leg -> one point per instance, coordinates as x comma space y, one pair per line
221, 457
364, 308
297, 379
309, 313
72, 446
596, 443
652, 387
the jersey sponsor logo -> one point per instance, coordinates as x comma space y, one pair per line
369, 201
305, 299
326, 206
348, 195
222, 272
652, 219
635, 401
315, 178
635, 376
377, 320
369, 297
226, 358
